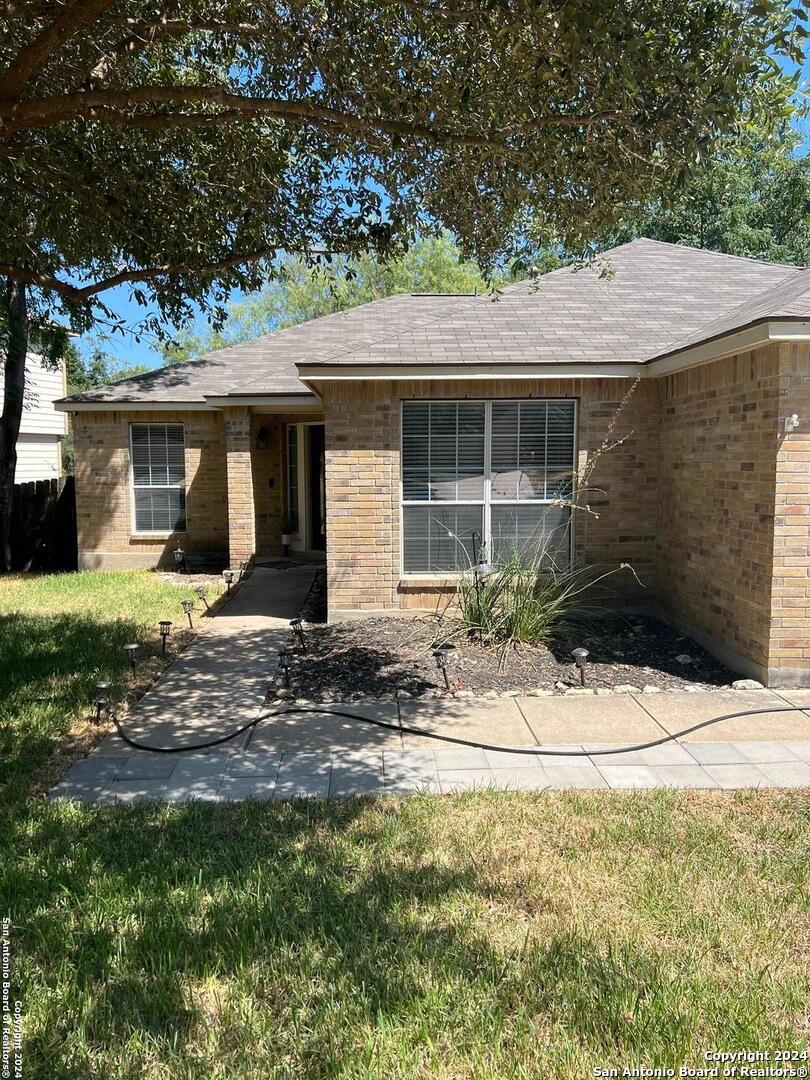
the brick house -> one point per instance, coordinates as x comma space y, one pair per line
379, 429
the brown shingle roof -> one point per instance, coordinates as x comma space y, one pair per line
653, 298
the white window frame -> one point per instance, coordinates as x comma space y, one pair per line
487, 501
147, 487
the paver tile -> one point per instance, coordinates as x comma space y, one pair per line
502, 759
95, 769
87, 791
716, 753
580, 776
238, 788
254, 763
738, 776
201, 789
465, 780
356, 779
460, 757
787, 773
141, 765
765, 750
629, 776
148, 789
683, 776
521, 779
801, 750
302, 785
416, 784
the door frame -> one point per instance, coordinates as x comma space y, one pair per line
302, 540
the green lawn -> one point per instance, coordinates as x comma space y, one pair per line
60, 635
491, 935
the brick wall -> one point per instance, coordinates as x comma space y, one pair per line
106, 531
789, 659
363, 484
268, 482
716, 507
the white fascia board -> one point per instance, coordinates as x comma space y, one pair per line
484, 372
130, 406
752, 337
264, 401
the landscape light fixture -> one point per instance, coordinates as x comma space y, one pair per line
298, 629
102, 699
440, 656
228, 578
165, 629
188, 607
284, 661
180, 559
200, 591
580, 656
132, 655
242, 568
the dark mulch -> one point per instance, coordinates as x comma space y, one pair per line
376, 657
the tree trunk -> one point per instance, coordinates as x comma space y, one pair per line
14, 384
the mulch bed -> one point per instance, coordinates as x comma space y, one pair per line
377, 657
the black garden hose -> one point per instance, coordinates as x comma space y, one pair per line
404, 730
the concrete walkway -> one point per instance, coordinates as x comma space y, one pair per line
219, 683
322, 756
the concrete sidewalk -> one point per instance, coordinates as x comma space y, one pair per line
220, 681
319, 755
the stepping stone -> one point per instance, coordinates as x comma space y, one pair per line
240, 788
579, 776
629, 776
459, 780
732, 777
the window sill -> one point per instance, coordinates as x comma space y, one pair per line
429, 581
150, 536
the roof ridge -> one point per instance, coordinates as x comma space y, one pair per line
708, 251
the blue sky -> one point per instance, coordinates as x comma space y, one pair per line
129, 351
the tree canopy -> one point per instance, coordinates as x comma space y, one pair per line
179, 149
752, 198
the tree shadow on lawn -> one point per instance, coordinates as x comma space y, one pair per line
49, 665
288, 896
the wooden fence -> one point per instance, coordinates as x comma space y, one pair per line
43, 525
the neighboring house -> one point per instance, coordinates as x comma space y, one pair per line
379, 428
39, 446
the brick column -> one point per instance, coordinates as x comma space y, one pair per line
241, 507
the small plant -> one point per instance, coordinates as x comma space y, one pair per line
287, 525
529, 596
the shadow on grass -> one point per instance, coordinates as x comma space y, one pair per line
49, 665
328, 915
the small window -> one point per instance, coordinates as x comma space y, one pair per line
158, 477
292, 475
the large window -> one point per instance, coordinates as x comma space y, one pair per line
498, 469
158, 477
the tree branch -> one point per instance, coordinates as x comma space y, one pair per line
33, 57
117, 106
143, 34
80, 294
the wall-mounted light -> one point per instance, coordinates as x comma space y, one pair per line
791, 423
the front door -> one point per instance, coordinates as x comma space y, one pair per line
316, 483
